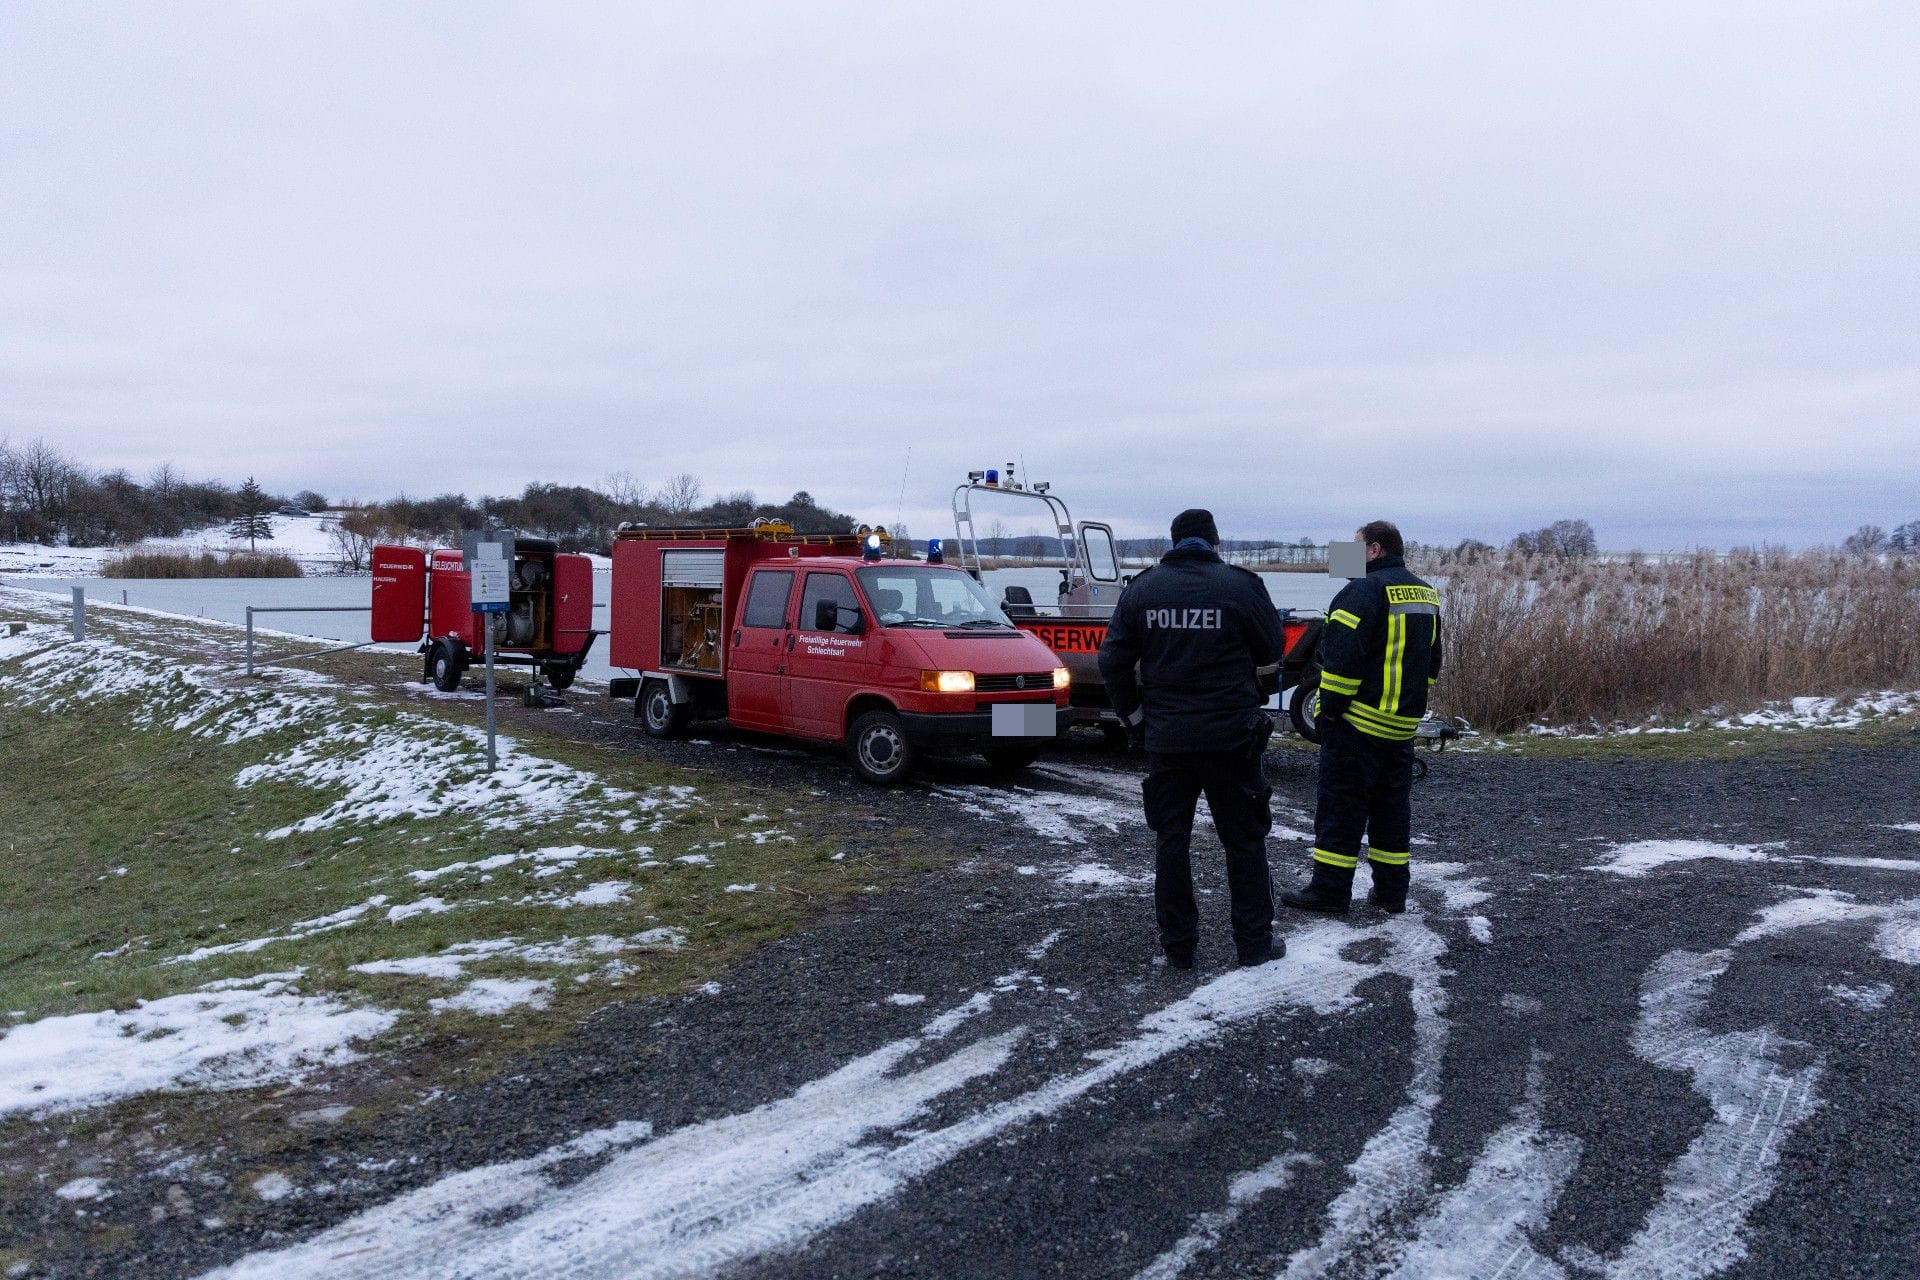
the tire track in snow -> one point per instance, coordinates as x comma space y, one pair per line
770, 1179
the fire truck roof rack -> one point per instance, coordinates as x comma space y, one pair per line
769, 531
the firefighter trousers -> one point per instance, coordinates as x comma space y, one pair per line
1238, 798
1365, 799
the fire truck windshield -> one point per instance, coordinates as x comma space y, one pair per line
915, 595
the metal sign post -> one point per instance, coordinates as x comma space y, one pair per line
488, 566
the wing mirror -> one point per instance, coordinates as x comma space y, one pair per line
827, 615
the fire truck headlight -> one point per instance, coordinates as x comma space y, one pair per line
1061, 678
946, 681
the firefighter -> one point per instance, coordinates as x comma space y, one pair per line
1381, 651
1185, 653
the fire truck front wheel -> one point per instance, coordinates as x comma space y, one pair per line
659, 715
447, 664
879, 749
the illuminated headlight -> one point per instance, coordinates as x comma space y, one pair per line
946, 681
1061, 678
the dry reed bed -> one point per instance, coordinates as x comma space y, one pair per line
1568, 642
203, 564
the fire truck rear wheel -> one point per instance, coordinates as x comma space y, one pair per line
447, 667
659, 715
879, 749
1304, 707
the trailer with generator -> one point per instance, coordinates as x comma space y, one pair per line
1091, 578
819, 636
427, 596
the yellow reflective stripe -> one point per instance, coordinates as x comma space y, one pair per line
1345, 618
1385, 719
1396, 652
1432, 680
1389, 859
1335, 859
1380, 731
1339, 684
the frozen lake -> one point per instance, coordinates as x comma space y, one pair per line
226, 600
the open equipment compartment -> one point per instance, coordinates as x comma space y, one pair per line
692, 619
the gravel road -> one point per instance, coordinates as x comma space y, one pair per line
1644, 1018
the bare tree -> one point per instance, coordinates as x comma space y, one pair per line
625, 490
354, 536
1867, 540
40, 489
680, 494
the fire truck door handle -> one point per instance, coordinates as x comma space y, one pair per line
736, 637
790, 639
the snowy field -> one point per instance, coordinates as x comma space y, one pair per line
308, 539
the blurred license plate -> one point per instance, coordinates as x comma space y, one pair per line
1023, 720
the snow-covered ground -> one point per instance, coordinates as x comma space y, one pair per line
308, 539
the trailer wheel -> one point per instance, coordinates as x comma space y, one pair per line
1010, 757
1304, 707
659, 715
447, 666
559, 674
879, 749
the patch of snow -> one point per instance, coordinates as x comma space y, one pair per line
1481, 928
1904, 826
606, 893
1897, 936
904, 999
742, 888
1096, 875
296, 931
81, 1189
1870, 997
273, 1186
1038, 951
695, 860
1312, 1068
1061, 817
490, 996
1642, 856
234, 1037
424, 907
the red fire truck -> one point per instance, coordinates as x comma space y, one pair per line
816, 636
428, 597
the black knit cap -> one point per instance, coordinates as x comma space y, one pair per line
1196, 522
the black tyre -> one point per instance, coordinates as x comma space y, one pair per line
559, 674
659, 714
1304, 707
878, 747
448, 663
1010, 757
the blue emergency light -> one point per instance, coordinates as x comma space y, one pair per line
936, 551
871, 550
993, 478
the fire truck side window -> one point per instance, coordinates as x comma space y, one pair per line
767, 597
829, 587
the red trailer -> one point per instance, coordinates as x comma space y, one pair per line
428, 597
816, 636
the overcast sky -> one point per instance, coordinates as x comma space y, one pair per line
1473, 267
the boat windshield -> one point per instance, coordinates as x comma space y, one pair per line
919, 595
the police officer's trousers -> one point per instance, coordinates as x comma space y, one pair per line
1238, 797
1365, 800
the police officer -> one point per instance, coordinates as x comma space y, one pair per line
1381, 653
1180, 662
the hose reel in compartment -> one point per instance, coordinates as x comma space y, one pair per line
691, 618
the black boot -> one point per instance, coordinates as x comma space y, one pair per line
1330, 890
1389, 891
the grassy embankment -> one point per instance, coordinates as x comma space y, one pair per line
154, 810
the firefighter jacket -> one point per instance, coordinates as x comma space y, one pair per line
1182, 648
1381, 651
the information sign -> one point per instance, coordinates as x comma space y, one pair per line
489, 582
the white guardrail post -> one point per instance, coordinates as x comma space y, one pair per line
79, 613
249, 639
